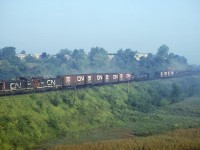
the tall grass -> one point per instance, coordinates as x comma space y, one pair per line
181, 139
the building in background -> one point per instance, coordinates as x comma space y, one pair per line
111, 55
139, 55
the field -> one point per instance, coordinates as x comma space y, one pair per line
181, 139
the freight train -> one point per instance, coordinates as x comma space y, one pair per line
34, 84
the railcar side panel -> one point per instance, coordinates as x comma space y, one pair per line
15, 85
89, 79
106, 79
114, 78
98, 78
28, 82
2, 86
50, 83
124, 77
164, 74
73, 80
40, 83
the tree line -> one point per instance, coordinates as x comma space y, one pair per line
78, 61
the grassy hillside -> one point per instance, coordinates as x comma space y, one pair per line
142, 108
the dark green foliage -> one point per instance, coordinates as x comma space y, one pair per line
175, 94
98, 58
55, 102
163, 52
68, 100
8, 53
79, 59
125, 59
10, 65
39, 103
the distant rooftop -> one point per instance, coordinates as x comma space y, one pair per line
139, 55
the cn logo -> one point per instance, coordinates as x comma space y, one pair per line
115, 77
14, 86
51, 82
128, 76
80, 78
99, 77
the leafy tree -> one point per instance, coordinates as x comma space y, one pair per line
7, 53
8, 71
79, 59
147, 64
163, 51
30, 58
177, 62
125, 59
98, 58
44, 55
64, 55
160, 60
10, 65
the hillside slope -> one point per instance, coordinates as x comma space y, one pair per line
143, 108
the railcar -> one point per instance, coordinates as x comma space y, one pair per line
140, 77
123, 77
89, 79
2, 87
45, 83
99, 79
72, 80
184, 73
106, 78
12, 86
114, 78
28, 82
164, 74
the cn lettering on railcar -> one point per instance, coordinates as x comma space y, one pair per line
80, 78
124, 77
51, 82
128, 76
15, 86
98, 78
72, 80
114, 78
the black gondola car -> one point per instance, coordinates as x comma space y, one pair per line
12, 86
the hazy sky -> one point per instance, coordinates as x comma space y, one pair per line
143, 25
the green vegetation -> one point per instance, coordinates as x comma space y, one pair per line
182, 139
77, 61
141, 108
